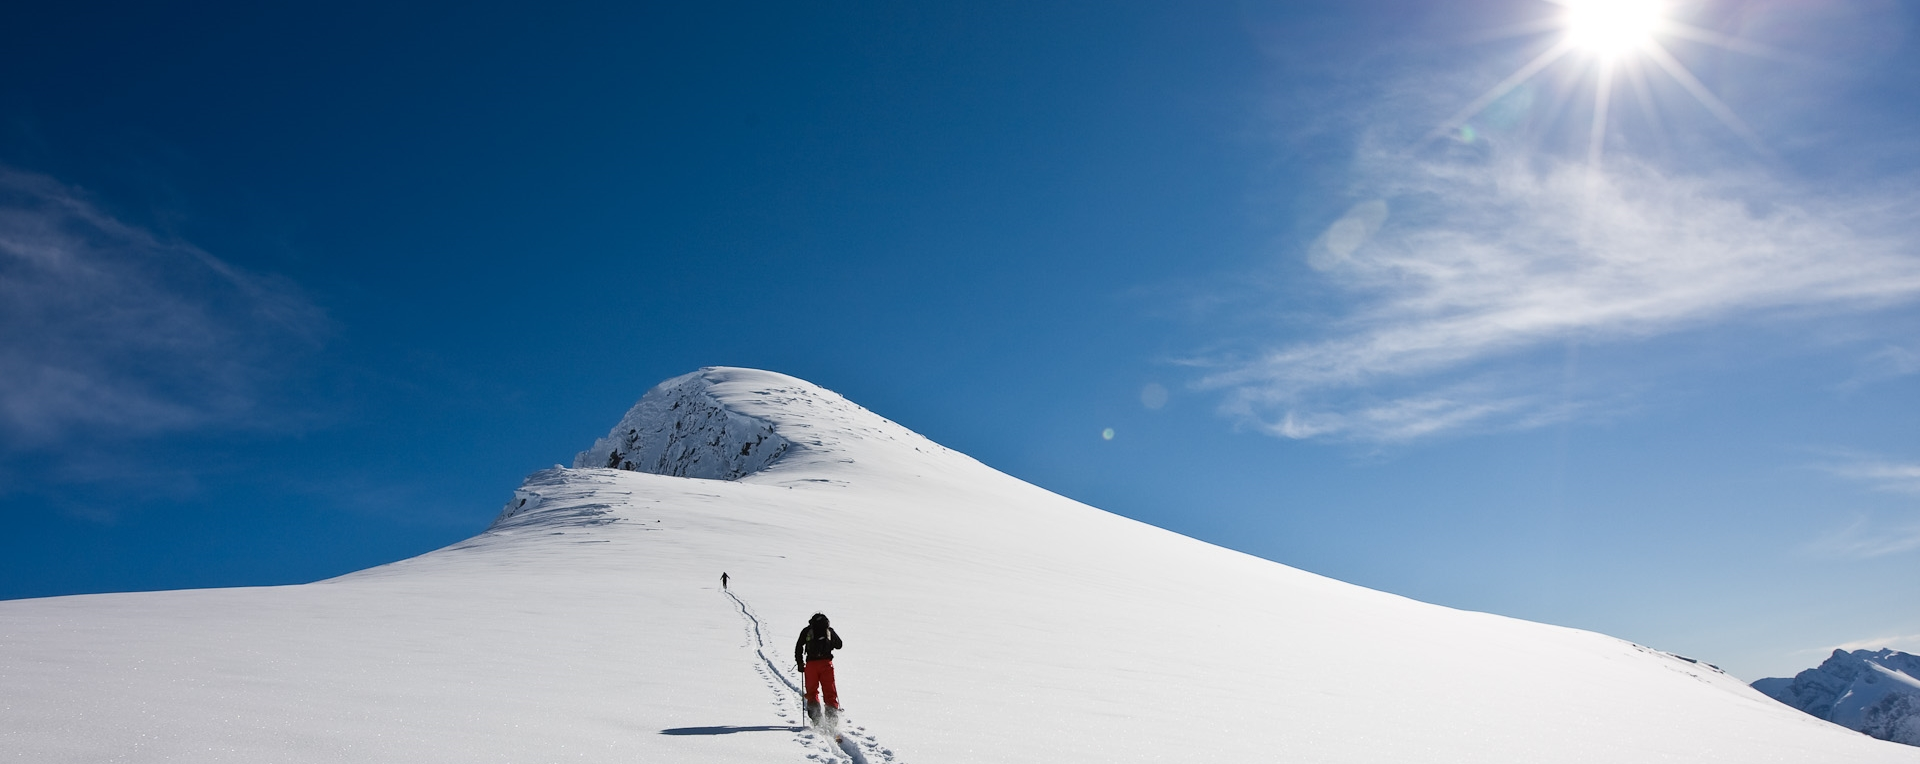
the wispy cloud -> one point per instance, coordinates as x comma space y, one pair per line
1870, 535
110, 328
1865, 538
1472, 267
1882, 474
1908, 643
1889, 362
1905, 643
1464, 264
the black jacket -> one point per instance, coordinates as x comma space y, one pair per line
814, 645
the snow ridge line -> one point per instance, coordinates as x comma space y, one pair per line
856, 746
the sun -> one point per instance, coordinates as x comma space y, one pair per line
1621, 40
1611, 28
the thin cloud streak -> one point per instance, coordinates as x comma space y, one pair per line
1857, 542
1906, 643
1887, 363
111, 329
1864, 539
1893, 477
1869, 536
1487, 260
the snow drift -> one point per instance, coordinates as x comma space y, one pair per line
985, 619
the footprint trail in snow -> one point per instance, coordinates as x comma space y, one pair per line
856, 745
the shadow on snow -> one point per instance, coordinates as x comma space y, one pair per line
727, 730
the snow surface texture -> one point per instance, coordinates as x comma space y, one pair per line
1875, 692
679, 429
985, 619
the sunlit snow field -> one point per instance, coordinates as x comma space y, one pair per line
985, 619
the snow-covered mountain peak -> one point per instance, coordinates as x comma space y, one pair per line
680, 428
727, 423
985, 619
1873, 691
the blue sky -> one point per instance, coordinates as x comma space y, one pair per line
294, 291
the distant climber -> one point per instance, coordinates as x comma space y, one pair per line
814, 654
723, 580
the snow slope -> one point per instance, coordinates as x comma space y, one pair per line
1874, 691
985, 619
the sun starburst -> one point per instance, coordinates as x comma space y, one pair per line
1609, 37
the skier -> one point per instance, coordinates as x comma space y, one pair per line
723, 580
814, 654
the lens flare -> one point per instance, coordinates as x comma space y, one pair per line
1612, 28
1154, 395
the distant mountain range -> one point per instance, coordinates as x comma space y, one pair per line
1874, 691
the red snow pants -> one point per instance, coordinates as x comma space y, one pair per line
820, 678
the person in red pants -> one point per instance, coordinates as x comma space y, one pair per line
814, 654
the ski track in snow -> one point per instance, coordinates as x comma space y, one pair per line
856, 745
